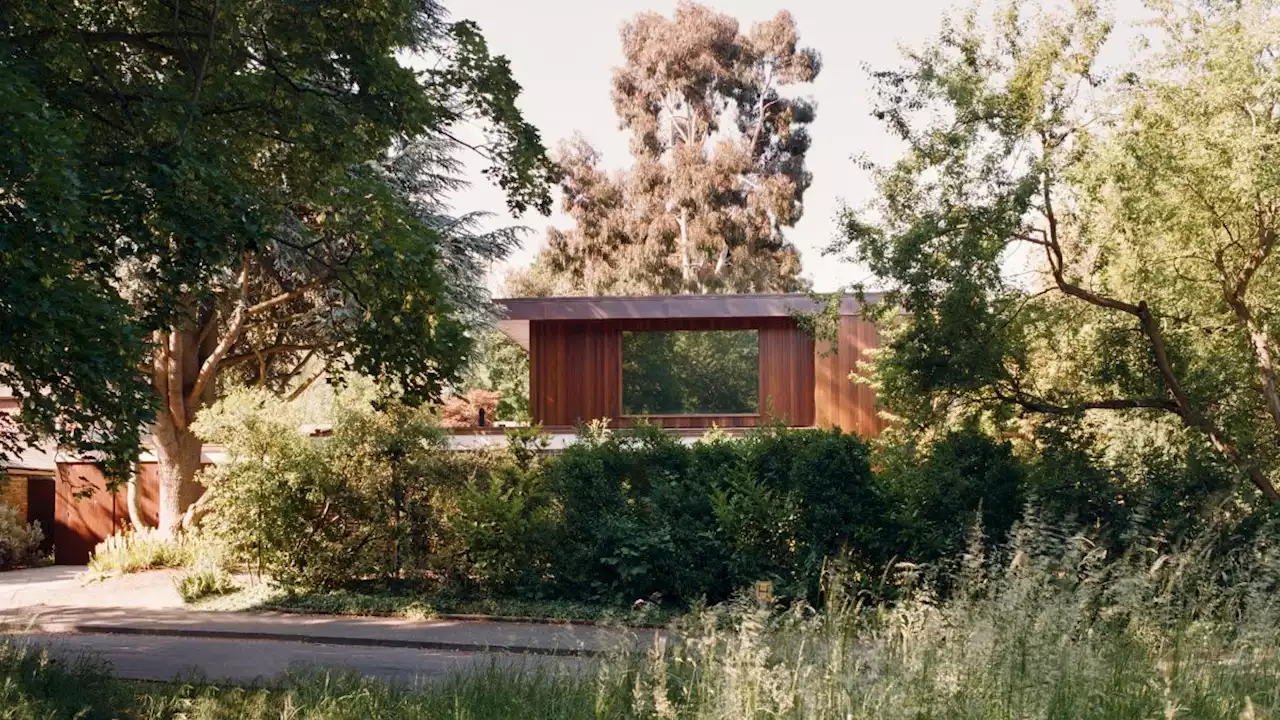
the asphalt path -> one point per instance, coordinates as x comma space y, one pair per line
249, 661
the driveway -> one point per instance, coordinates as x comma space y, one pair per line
60, 585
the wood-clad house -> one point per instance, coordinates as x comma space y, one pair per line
691, 362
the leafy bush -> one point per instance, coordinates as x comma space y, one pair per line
380, 499
939, 491
19, 541
645, 515
505, 520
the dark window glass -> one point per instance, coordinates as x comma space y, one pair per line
690, 372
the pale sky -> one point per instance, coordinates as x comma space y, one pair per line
563, 53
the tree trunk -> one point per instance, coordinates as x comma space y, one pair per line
686, 269
131, 502
178, 452
180, 355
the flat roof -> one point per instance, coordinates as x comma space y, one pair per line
518, 312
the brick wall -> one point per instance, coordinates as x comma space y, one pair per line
13, 491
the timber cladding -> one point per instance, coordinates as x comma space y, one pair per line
86, 512
576, 373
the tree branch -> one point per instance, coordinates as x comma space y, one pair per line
1259, 340
209, 368
267, 352
1034, 404
1151, 328
311, 379
282, 298
173, 370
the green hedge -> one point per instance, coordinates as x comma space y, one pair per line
618, 516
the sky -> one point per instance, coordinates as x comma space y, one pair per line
563, 52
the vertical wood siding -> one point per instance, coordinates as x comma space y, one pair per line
576, 371
838, 401
80, 523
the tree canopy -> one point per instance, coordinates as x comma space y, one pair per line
718, 168
1147, 200
257, 186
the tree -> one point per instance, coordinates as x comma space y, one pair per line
718, 169
1150, 200
499, 365
255, 186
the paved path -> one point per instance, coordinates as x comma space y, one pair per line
63, 585
244, 661
138, 623
461, 635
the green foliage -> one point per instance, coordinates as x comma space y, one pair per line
380, 500
19, 541
71, 350
505, 522
34, 686
317, 514
204, 582
645, 515
259, 181
1138, 201
961, 479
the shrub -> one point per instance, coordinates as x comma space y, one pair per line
202, 582
377, 500
939, 491
645, 515
505, 520
19, 541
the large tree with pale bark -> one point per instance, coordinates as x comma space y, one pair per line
718, 141
203, 192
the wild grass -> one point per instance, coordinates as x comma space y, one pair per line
131, 551
205, 573
1052, 628
1049, 628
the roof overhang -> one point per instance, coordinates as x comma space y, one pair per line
517, 313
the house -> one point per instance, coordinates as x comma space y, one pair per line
70, 497
26, 480
691, 362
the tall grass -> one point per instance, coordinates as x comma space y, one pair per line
203, 560
129, 551
1048, 628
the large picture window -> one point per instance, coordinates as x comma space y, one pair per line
700, 372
